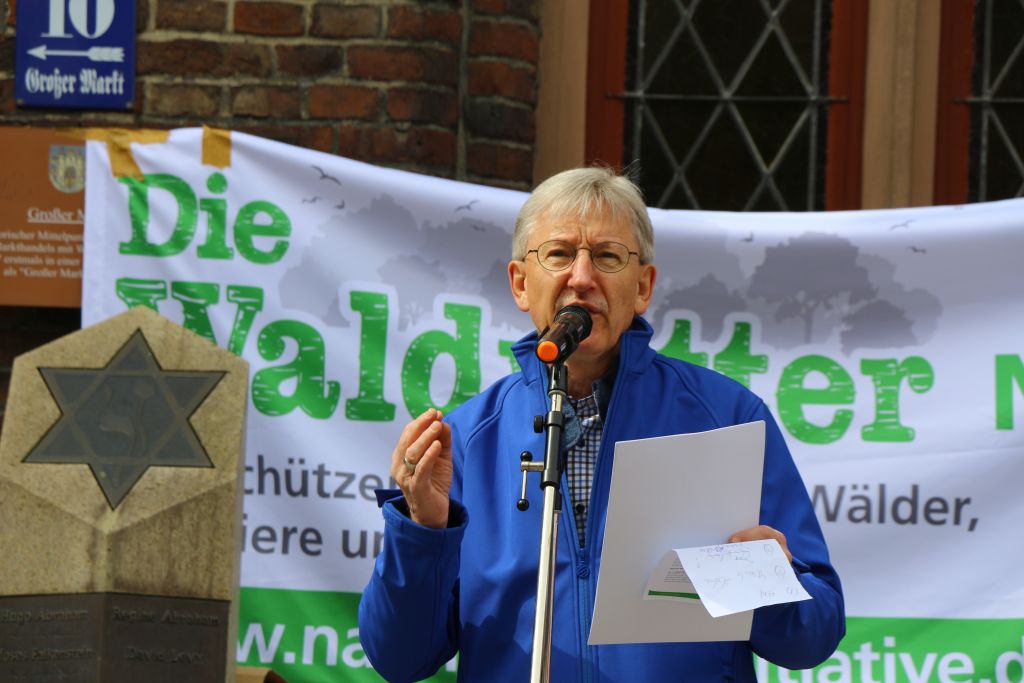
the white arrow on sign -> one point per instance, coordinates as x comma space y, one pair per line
95, 54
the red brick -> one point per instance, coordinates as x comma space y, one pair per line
524, 9
268, 18
343, 102
502, 39
182, 100
191, 15
241, 59
499, 161
308, 60
320, 138
178, 57
7, 102
503, 79
415, 23
266, 101
368, 144
331, 21
430, 147
430, 106
7, 54
141, 15
403, 64
500, 121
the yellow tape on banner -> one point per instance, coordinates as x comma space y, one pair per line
216, 146
119, 145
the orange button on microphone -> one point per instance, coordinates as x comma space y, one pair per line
547, 351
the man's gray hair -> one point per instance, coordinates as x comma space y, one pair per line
580, 193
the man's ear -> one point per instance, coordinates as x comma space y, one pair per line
645, 287
517, 282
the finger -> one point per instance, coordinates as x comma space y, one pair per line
416, 450
412, 431
414, 428
425, 465
446, 437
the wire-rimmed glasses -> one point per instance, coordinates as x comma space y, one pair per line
608, 257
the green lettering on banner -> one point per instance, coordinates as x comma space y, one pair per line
678, 345
373, 341
316, 397
464, 348
309, 636
1009, 370
887, 375
736, 361
134, 292
138, 211
196, 299
216, 210
248, 302
896, 650
792, 396
247, 229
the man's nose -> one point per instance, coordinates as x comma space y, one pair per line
582, 272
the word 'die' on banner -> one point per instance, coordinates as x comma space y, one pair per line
888, 343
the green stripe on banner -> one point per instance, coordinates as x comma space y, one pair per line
312, 637
918, 651
306, 636
691, 596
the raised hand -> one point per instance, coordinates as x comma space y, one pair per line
422, 466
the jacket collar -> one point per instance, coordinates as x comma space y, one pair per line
635, 354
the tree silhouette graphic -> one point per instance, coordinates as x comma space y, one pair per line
810, 276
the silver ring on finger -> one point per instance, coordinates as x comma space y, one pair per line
411, 466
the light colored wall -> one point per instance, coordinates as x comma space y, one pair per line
561, 104
900, 103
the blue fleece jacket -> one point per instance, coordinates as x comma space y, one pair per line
471, 588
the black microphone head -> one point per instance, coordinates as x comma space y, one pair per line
571, 326
586, 322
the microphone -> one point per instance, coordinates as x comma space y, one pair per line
570, 327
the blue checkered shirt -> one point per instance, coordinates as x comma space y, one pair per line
582, 459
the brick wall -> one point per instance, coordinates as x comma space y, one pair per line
444, 87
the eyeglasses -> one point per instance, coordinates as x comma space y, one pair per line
608, 257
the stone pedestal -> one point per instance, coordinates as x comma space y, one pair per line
120, 506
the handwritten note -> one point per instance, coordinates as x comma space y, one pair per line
729, 578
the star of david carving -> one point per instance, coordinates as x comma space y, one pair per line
124, 418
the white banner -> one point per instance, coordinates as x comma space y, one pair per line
887, 343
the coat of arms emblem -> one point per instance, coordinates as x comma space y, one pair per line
67, 167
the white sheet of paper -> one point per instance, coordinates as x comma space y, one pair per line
735, 577
673, 492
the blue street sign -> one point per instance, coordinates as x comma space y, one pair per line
76, 54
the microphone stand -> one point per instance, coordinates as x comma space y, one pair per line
551, 476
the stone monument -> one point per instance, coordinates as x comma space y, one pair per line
120, 506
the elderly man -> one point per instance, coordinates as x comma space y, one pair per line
458, 568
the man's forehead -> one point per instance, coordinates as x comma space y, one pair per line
573, 225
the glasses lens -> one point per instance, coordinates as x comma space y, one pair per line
611, 257
556, 255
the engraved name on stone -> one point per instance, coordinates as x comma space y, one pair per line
163, 656
8, 616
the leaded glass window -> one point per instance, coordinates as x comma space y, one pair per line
726, 102
997, 114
